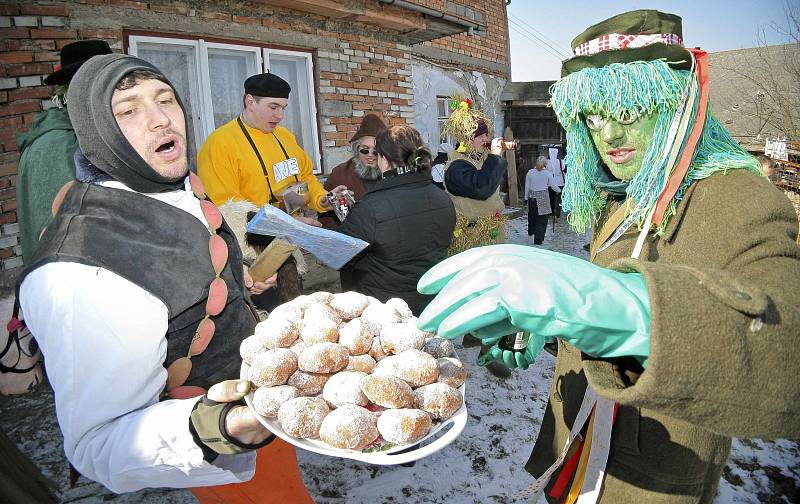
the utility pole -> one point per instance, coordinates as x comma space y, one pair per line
511, 157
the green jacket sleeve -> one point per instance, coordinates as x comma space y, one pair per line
45, 166
725, 321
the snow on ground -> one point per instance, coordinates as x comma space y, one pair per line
484, 465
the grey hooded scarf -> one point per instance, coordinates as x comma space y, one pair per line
100, 140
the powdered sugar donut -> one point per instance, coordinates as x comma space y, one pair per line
320, 297
298, 346
363, 363
404, 426
303, 416
291, 311
376, 315
376, 350
277, 332
345, 388
250, 347
451, 372
319, 330
438, 347
308, 383
267, 400
273, 367
401, 307
398, 337
416, 367
299, 300
317, 310
349, 427
349, 305
438, 399
386, 366
387, 391
323, 358
356, 337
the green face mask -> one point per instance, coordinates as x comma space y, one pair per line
622, 142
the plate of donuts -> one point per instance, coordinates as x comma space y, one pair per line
349, 376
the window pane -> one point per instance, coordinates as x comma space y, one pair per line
228, 70
178, 63
297, 118
300, 117
442, 106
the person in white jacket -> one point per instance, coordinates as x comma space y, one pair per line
121, 290
538, 198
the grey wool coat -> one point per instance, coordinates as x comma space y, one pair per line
724, 286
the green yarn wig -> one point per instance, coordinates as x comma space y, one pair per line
613, 91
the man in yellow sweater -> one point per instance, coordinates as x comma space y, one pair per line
252, 158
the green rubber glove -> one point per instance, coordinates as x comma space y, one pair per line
522, 358
497, 290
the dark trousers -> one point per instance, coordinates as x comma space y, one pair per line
537, 224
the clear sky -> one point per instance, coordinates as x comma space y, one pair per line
714, 25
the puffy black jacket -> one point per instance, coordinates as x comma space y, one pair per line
408, 223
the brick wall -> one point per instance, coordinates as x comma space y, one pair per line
30, 38
367, 77
359, 68
491, 45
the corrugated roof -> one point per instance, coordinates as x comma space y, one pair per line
533, 91
752, 91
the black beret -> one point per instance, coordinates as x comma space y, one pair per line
267, 85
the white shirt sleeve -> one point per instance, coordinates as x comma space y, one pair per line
528, 177
437, 173
103, 342
551, 181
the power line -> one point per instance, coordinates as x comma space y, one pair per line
541, 36
524, 34
546, 50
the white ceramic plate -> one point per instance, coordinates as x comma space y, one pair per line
390, 456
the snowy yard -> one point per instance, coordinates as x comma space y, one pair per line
484, 465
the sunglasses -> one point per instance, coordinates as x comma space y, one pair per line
366, 150
597, 122
178, 372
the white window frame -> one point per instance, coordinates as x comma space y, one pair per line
205, 107
133, 49
439, 118
311, 106
205, 77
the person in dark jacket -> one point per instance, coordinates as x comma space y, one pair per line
407, 220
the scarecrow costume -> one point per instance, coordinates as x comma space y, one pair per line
682, 333
472, 179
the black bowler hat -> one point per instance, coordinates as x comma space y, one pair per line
73, 56
267, 85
